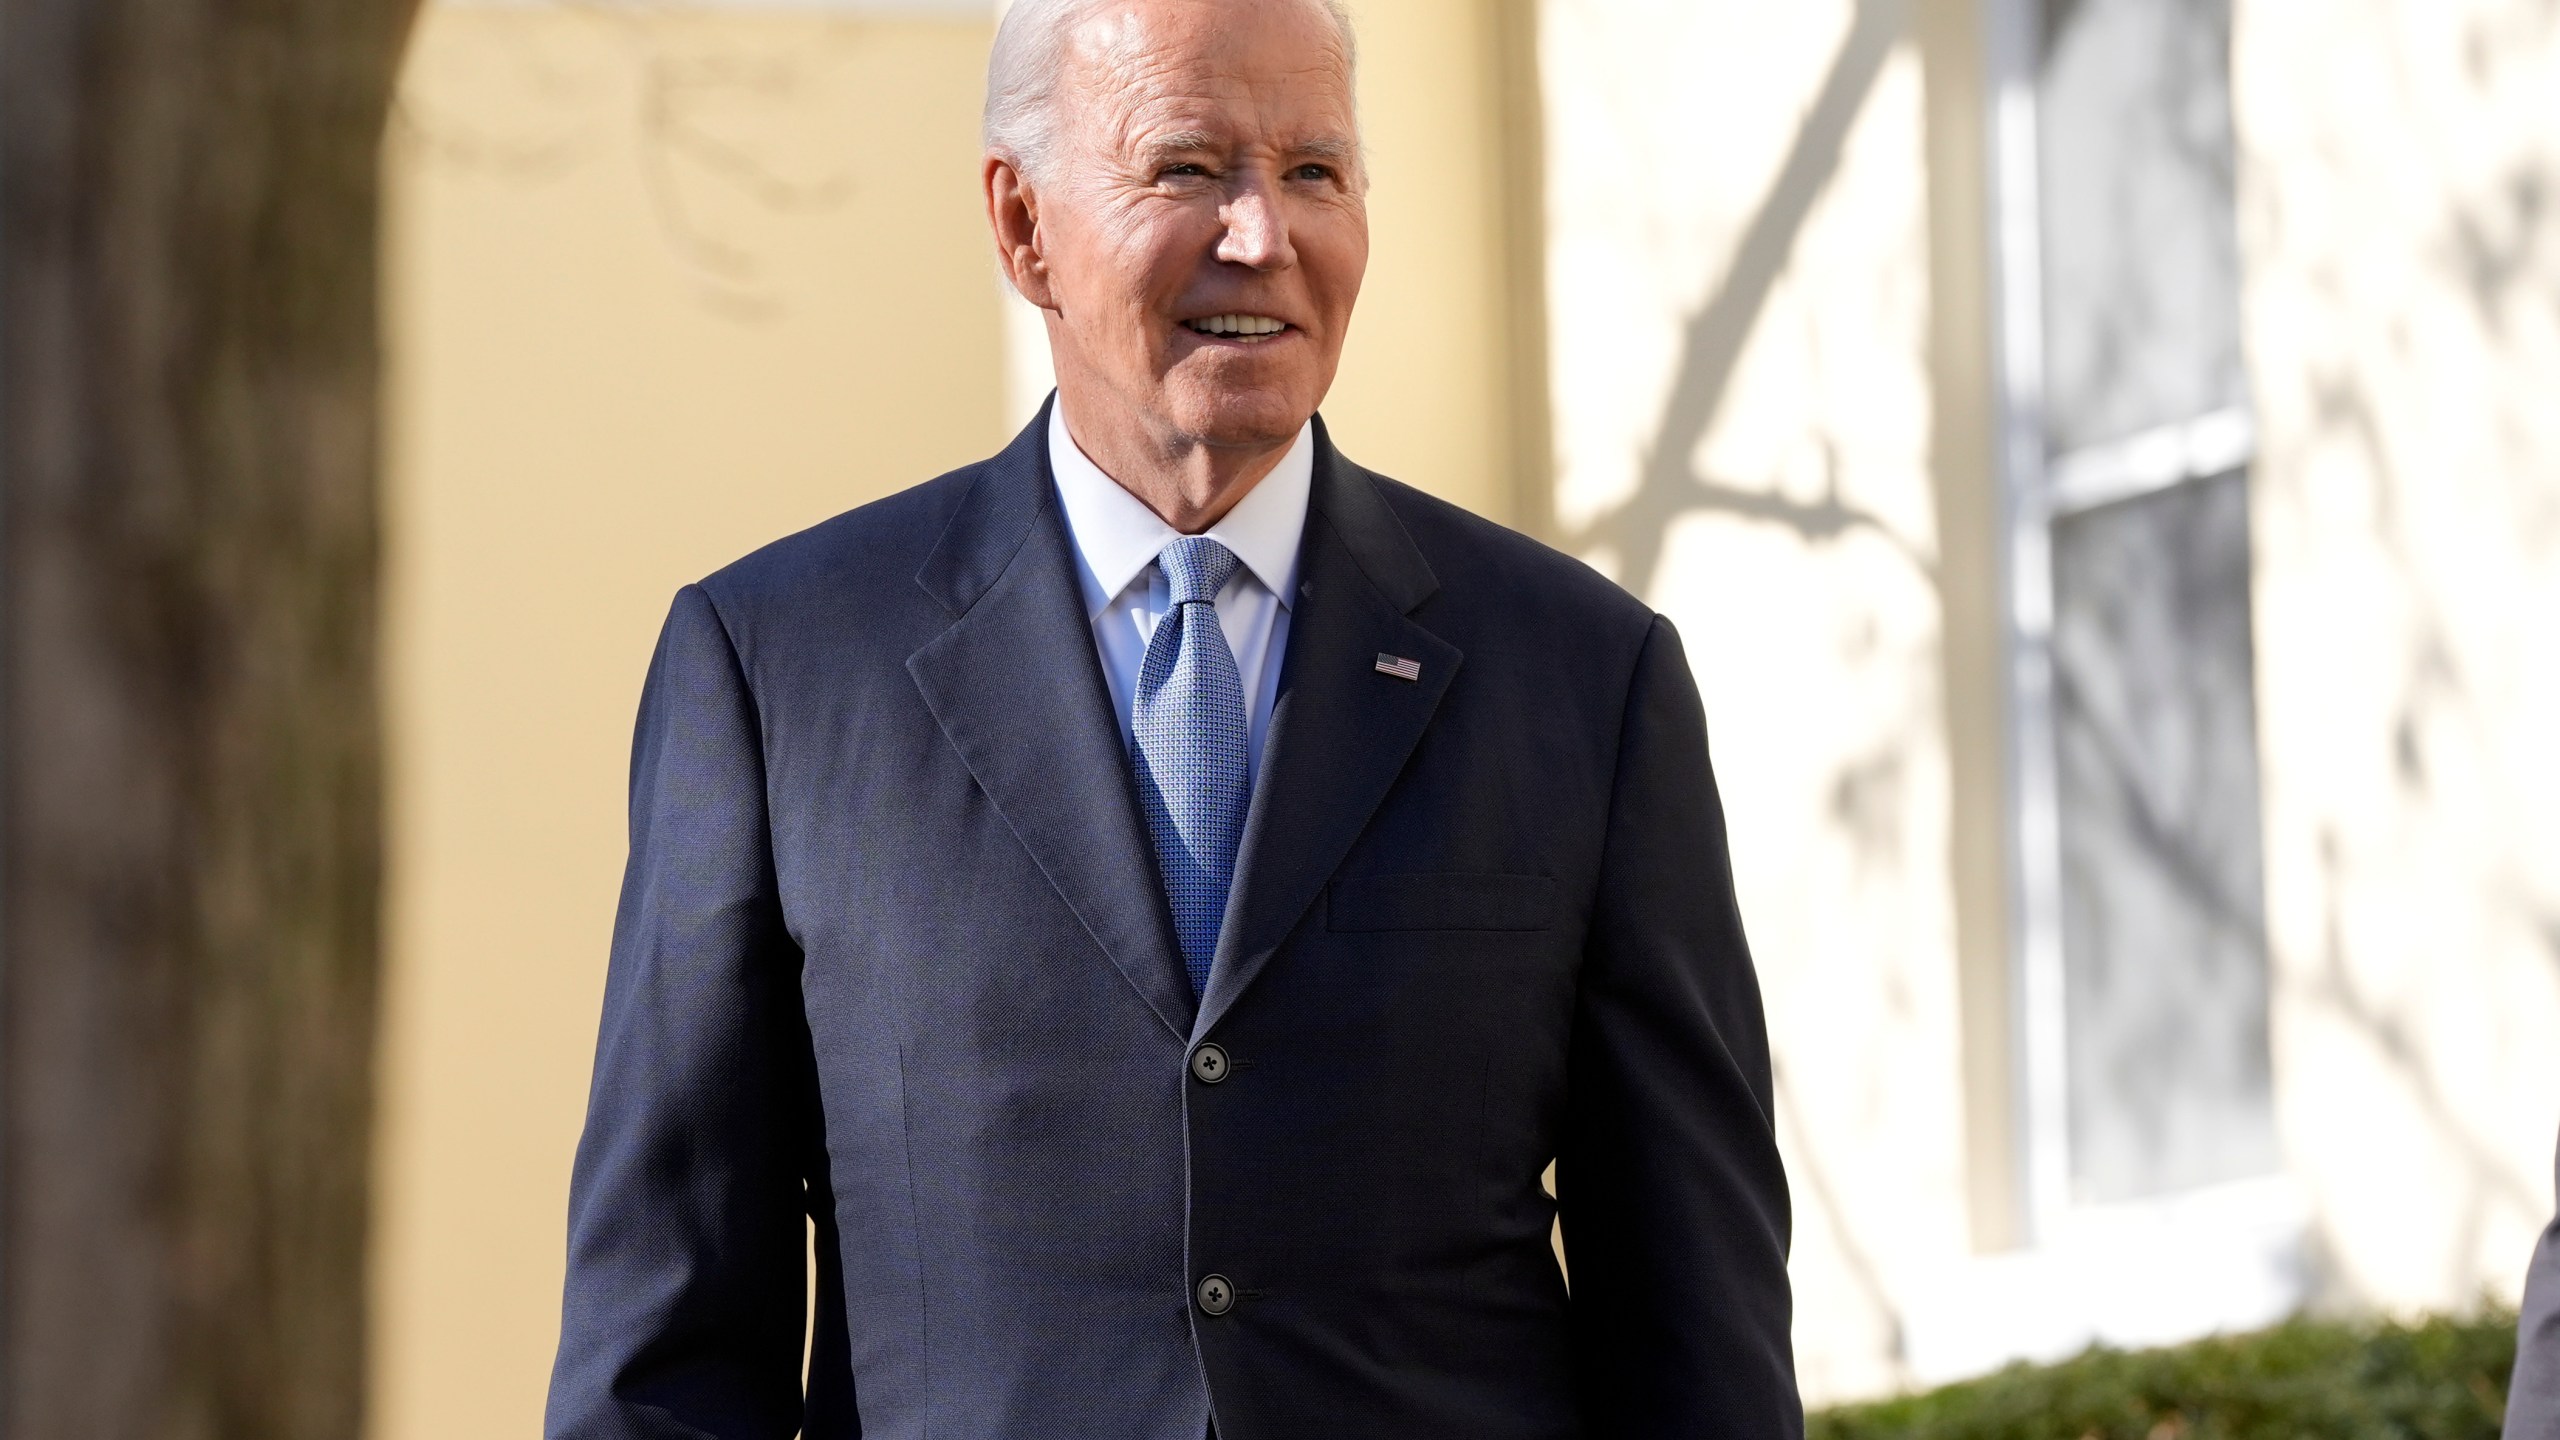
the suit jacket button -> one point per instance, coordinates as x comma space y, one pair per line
1216, 1294
1209, 1064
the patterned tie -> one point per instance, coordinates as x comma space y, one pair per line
1189, 723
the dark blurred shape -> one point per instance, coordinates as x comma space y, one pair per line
188, 742
2533, 1401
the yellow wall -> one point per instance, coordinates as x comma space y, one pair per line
1426, 392
661, 288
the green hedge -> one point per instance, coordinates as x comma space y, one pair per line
2441, 1379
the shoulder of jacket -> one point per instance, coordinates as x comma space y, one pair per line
1470, 554
874, 548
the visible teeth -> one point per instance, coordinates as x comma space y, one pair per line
1239, 325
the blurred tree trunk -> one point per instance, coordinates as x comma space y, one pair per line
189, 839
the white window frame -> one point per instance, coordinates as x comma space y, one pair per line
2147, 1272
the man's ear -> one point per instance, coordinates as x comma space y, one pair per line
1013, 214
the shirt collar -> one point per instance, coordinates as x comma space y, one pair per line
1117, 537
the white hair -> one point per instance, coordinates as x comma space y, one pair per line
1031, 53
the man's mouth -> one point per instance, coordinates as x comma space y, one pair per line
1246, 329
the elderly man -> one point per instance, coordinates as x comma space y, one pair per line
1154, 903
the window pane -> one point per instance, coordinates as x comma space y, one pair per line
2141, 249
2164, 957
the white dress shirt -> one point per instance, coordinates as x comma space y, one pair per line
1117, 539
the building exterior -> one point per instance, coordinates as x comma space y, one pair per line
2098, 453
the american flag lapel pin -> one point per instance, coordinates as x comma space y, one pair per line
1399, 667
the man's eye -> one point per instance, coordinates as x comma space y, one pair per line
1313, 172
1187, 170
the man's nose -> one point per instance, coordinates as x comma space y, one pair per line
1257, 233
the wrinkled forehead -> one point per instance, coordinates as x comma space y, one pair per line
1265, 74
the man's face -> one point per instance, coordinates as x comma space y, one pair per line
1202, 225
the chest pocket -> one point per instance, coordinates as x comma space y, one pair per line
1440, 902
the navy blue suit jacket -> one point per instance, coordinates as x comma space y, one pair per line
892, 954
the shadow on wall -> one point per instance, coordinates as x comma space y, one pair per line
2406, 256
1865, 789
2495, 246
725, 138
1713, 342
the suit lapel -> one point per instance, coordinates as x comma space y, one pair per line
1018, 691
1340, 730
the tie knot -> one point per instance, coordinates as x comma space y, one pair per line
1197, 568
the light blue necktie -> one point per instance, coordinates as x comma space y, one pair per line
1188, 723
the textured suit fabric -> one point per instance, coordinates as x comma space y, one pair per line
892, 953
2533, 1396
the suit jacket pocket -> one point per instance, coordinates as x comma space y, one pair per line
1441, 902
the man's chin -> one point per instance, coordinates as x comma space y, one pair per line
1243, 420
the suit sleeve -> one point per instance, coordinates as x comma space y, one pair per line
684, 1307
1673, 1200
2533, 1396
